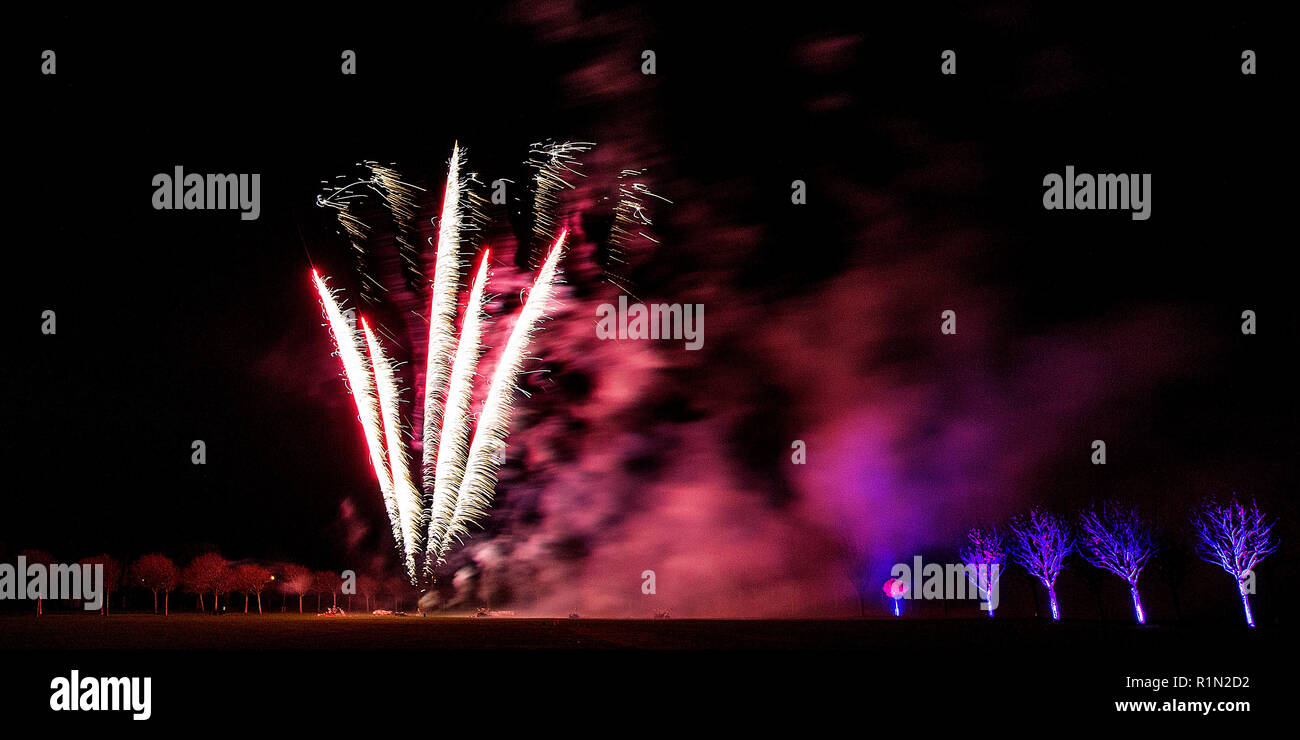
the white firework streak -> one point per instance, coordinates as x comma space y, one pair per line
442, 315
476, 487
453, 447
408, 499
363, 392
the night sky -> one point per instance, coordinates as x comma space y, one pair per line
821, 320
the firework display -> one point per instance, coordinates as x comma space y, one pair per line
459, 469
371, 361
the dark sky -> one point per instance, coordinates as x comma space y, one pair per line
924, 195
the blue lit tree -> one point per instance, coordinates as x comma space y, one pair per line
1042, 541
1116, 538
1235, 538
984, 559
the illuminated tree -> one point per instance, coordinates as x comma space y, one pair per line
250, 579
206, 574
1235, 538
297, 581
367, 586
1042, 542
112, 576
156, 572
39, 557
1117, 539
984, 558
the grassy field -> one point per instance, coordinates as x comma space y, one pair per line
309, 632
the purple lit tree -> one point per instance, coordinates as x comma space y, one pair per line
984, 559
1117, 539
1042, 541
1235, 538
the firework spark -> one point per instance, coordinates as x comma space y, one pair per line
554, 164
399, 197
453, 446
343, 200
631, 215
483, 460
363, 393
442, 315
410, 513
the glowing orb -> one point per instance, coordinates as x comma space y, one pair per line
895, 588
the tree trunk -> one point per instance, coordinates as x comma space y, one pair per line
167, 598
201, 609
1245, 604
155, 601
335, 598
1051, 597
259, 602
300, 603
1137, 605
318, 602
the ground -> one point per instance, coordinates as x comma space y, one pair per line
1019, 669
364, 632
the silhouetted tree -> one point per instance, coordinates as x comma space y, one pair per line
112, 575
399, 587
325, 582
42, 558
156, 572
1172, 568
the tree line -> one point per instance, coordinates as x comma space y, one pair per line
214, 582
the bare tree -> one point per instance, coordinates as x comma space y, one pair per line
1116, 538
1235, 538
984, 558
156, 572
1042, 541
